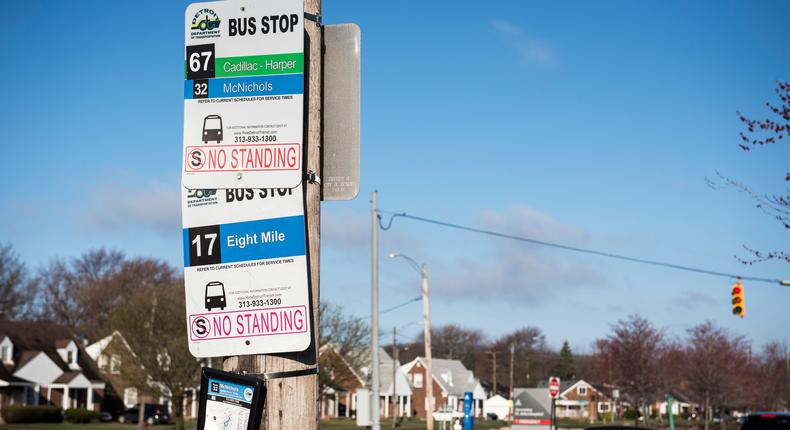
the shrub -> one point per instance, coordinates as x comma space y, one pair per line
80, 416
631, 414
32, 414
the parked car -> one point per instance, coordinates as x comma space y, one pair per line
767, 421
154, 414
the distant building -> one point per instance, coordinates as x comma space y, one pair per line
451, 379
580, 399
45, 364
339, 390
499, 406
680, 405
398, 403
124, 372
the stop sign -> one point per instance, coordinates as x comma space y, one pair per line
554, 387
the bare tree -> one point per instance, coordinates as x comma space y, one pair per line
634, 353
82, 292
17, 291
759, 133
532, 360
152, 320
349, 337
771, 378
715, 361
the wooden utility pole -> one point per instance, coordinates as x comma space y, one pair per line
395, 397
495, 388
512, 354
426, 318
292, 403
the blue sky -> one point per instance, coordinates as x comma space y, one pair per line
593, 124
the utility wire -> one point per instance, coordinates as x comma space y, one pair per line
397, 306
394, 215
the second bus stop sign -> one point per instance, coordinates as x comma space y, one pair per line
243, 94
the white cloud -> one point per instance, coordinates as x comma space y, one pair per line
345, 228
521, 272
529, 49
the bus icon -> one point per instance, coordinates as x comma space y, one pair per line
212, 129
215, 296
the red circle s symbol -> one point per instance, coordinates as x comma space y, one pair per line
201, 327
196, 159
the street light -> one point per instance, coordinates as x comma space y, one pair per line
426, 318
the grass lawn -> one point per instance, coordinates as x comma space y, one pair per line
189, 424
341, 424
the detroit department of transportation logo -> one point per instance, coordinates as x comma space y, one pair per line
205, 24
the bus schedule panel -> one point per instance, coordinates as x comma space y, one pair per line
243, 90
246, 278
229, 401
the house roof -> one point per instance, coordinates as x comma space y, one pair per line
564, 390
25, 357
385, 376
402, 386
33, 338
8, 377
62, 343
95, 349
66, 377
452, 375
329, 347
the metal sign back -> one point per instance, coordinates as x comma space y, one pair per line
341, 112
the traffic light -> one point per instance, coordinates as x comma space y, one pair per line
738, 304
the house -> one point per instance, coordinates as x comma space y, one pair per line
451, 379
44, 364
681, 405
339, 384
399, 403
125, 374
499, 406
580, 399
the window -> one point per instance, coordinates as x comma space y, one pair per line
417, 380
603, 407
6, 354
115, 364
582, 391
69, 357
130, 397
102, 362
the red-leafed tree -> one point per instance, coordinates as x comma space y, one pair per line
632, 358
717, 366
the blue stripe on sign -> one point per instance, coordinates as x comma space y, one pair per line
186, 247
262, 239
247, 86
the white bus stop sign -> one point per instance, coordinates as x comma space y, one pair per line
243, 94
245, 271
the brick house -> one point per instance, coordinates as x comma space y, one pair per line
580, 399
45, 364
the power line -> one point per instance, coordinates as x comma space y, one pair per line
397, 306
394, 215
